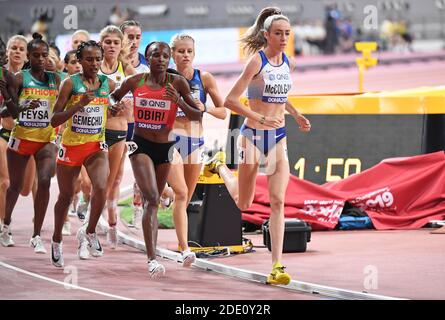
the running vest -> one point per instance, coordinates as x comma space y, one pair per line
143, 66
34, 124
272, 83
117, 76
197, 89
152, 110
88, 125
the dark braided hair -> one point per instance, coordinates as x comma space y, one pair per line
83, 45
37, 39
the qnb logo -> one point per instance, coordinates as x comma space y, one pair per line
154, 103
279, 77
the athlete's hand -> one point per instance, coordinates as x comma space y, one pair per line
117, 109
125, 54
200, 105
86, 98
33, 104
273, 121
303, 124
172, 93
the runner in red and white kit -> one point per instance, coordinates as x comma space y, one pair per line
157, 96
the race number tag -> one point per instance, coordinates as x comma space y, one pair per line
132, 147
14, 143
62, 153
36, 118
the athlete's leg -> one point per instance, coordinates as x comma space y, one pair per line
4, 177
192, 169
145, 175
16, 165
116, 161
247, 171
45, 160
278, 177
177, 183
29, 184
97, 168
66, 179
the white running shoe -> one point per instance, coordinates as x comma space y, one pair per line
82, 248
137, 217
6, 236
188, 258
94, 246
72, 212
102, 226
66, 230
165, 202
155, 269
82, 209
56, 254
112, 237
37, 244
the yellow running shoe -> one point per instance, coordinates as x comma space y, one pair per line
214, 162
278, 276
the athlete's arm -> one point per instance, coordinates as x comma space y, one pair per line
115, 109
303, 122
212, 89
129, 84
187, 103
8, 87
232, 100
61, 115
129, 69
26, 104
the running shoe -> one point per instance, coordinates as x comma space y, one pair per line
56, 254
138, 211
37, 244
112, 237
214, 162
66, 230
155, 269
278, 275
82, 248
82, 209
165, 202
94, 246
188, 258
6, 236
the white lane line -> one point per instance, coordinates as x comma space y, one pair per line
66, 285
249, 275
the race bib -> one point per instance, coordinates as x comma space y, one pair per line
14, 143
36, 118
151, 113
89, 121
132, 147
